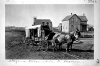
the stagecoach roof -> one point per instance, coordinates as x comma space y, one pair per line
33, 27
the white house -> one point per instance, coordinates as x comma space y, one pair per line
73, 21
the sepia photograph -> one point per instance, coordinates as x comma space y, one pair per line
49, 31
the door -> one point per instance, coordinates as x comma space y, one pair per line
84, 28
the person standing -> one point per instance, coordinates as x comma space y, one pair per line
47, 26
78, 34
42, 26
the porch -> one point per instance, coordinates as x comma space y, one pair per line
83, 27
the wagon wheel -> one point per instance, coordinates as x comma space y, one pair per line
26, 41
44, 45
29, 42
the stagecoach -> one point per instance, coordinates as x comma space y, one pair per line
38, 36
43, 37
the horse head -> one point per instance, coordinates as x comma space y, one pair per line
73, 36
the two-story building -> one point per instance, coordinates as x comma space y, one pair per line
73, 21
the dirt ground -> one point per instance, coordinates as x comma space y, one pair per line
16, 49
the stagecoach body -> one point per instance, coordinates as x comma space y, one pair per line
35, 33
34, 29
37, 36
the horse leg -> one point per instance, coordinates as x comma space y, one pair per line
55, 47
47, 45
59, 45
68, 46
71, 44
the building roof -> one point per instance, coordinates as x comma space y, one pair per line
82, 18
67, 18
39, 21
33, 27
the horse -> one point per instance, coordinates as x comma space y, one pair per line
67, 39
59, 39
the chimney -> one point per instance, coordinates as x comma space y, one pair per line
83, 14
71, 13
34, 19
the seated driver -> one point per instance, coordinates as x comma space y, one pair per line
47, 26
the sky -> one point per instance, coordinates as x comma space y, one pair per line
21, 15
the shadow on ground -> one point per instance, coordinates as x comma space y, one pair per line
78, 50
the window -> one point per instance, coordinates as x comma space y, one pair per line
63, 27
76, 20
72, 27
72, 21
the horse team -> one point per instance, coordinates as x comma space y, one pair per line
60, 39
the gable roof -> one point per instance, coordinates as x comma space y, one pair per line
82, 18
33, 27
39, 21
67, 18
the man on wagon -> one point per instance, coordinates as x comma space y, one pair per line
46, 28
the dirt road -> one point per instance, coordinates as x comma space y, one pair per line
15, 49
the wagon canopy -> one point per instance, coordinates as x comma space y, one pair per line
27, 30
